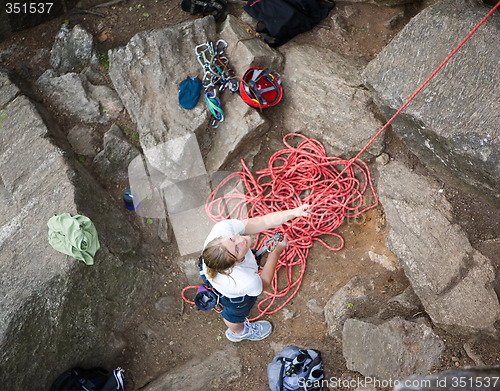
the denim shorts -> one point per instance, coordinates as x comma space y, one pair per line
237, 309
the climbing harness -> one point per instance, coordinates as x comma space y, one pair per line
217, 76
208, 298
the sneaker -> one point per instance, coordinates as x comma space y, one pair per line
255, 331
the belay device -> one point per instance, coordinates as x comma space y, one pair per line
269, 245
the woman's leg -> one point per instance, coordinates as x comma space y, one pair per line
239, 328
236, 328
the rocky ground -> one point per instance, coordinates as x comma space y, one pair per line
166, 332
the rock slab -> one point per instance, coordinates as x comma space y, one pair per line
73, 48
146, 74
452, 279
324, 98
56, 312
412, 348
198, 374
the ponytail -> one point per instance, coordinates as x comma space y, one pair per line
218, 259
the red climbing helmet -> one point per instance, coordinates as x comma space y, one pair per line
261, 87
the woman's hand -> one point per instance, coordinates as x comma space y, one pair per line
283, 244
303, 210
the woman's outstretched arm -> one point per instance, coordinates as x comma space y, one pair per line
258, 224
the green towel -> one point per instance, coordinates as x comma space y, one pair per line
74, 235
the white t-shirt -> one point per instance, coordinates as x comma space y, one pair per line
244, 278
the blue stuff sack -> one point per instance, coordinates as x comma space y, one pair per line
205, 299
189, 92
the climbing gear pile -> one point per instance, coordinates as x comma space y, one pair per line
261, 87
296, 369
336, 189
217, 76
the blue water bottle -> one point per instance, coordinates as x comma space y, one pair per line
128, 199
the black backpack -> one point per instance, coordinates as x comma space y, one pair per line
281, 20
94, 379
204, 7
296, 369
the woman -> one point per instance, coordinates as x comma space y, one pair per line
229, 267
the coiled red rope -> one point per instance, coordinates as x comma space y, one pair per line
304, 174
334, 187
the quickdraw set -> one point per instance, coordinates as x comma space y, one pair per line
217, 76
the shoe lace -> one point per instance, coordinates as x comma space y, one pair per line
252, 328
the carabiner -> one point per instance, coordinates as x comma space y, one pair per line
203, 47
208, 80
271, 243
201, 54
221, 50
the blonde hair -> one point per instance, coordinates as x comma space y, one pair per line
218, 259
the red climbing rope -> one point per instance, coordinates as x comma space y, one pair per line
304, 174
294, 176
